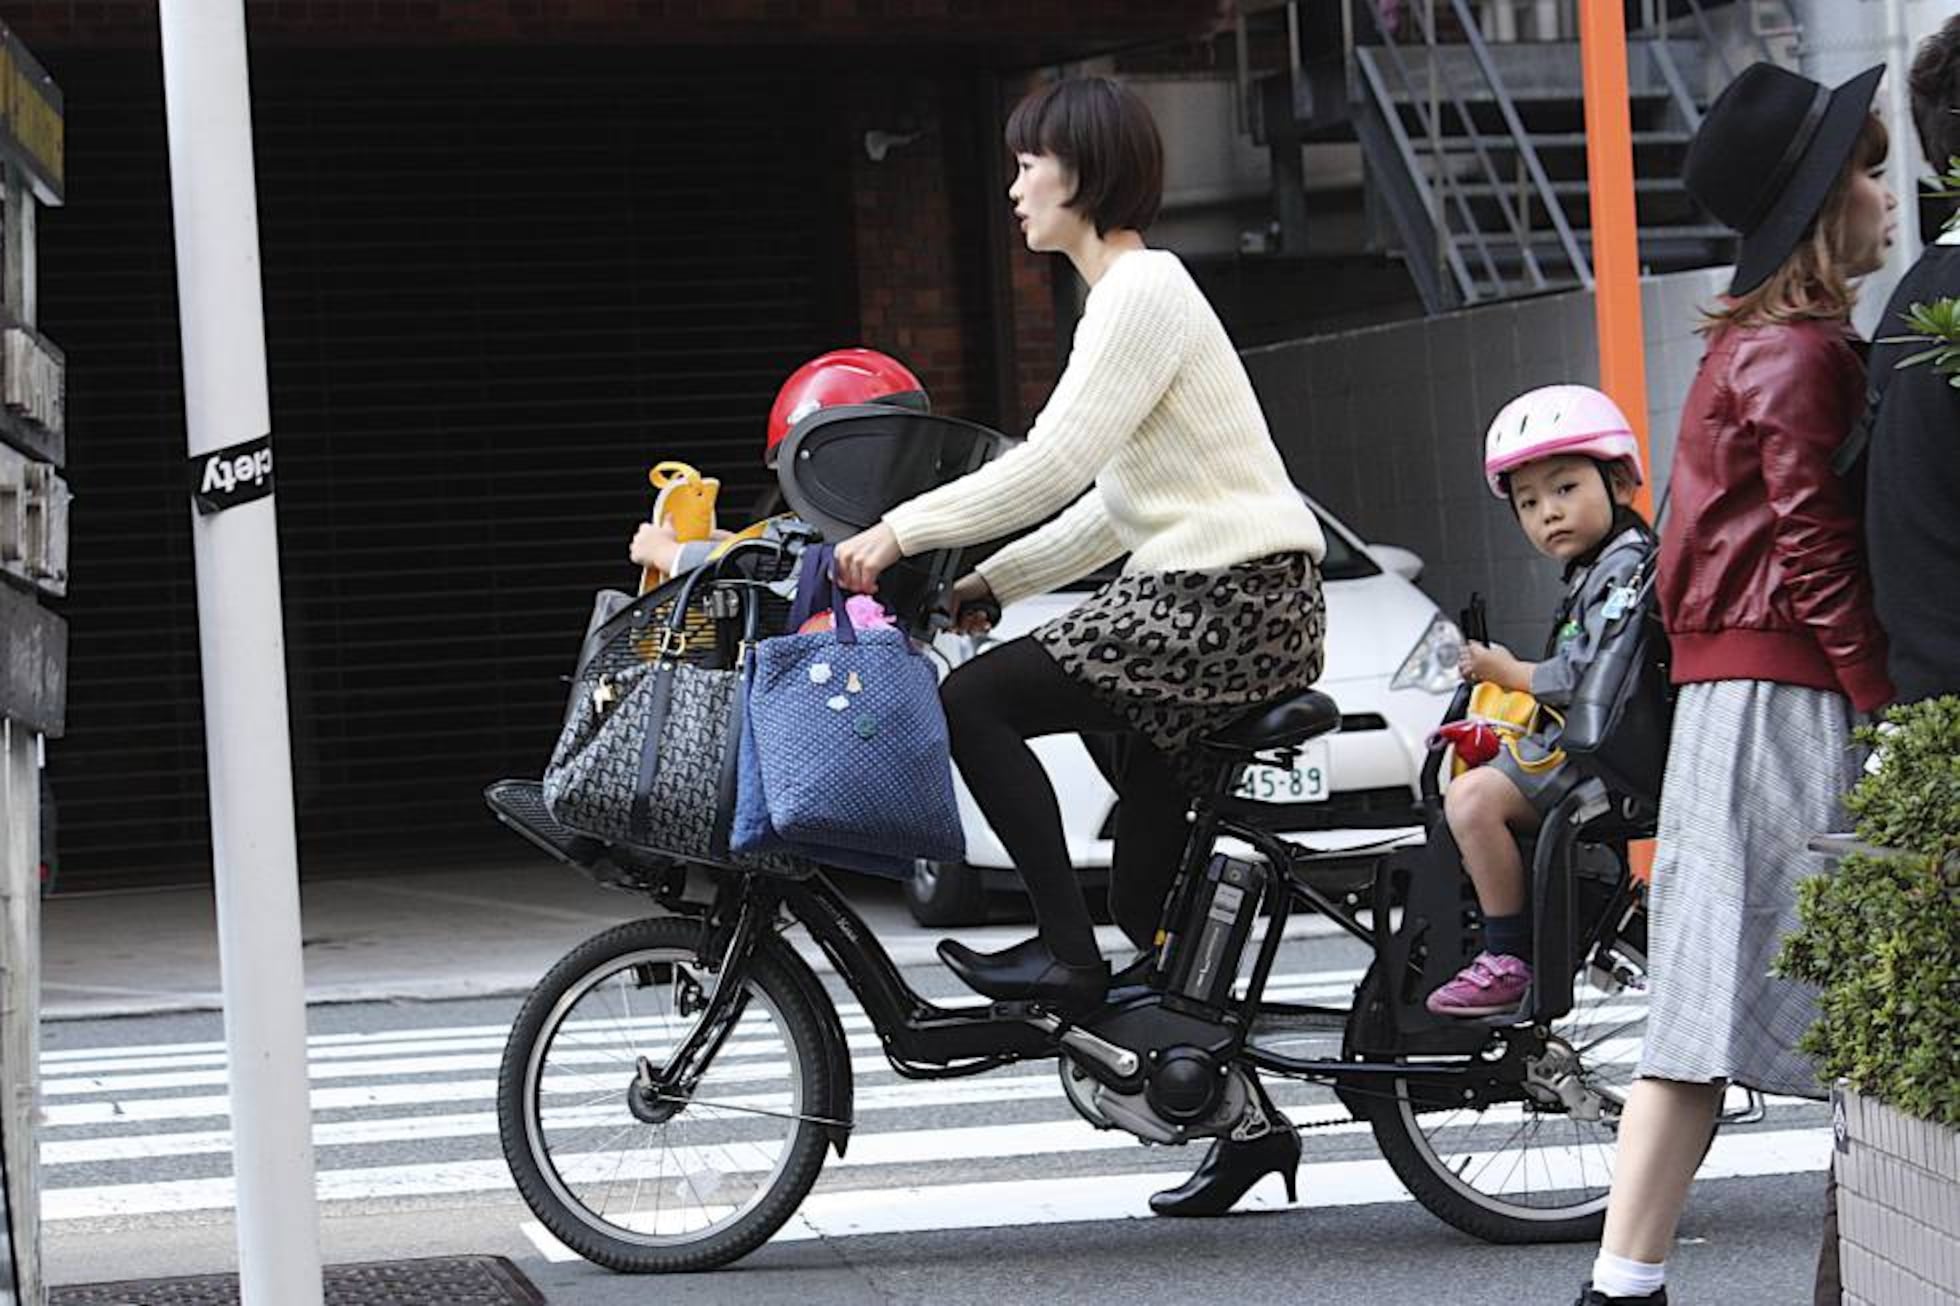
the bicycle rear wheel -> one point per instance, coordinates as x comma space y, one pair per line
645, 1184
1537, 1169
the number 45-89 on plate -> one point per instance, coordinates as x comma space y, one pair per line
1306, 781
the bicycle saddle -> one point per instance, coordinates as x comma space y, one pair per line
1280, 724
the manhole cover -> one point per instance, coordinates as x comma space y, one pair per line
437, 1281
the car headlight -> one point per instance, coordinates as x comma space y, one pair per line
1431, 664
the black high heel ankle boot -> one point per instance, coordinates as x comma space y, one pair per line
1230, 1168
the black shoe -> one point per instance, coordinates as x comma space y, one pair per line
1028, 972
1136, 974
1591, 1296
1230, 1168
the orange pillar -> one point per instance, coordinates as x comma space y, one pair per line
1616, 242
1616, 246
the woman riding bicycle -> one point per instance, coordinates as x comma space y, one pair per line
1152, 445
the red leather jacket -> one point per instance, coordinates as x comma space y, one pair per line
1762, 566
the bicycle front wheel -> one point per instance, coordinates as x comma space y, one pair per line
642, 1183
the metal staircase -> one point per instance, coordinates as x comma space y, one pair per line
1475, 149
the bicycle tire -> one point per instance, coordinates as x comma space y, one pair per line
519, 1103
1443, 1190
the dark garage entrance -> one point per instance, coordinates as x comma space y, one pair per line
498, 287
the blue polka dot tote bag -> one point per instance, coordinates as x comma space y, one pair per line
845, 755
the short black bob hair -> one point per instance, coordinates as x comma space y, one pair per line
1102, 131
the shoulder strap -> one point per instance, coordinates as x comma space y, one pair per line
813, 586
1860, 436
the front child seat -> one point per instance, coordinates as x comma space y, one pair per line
842, 469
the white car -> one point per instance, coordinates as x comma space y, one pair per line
1391, 666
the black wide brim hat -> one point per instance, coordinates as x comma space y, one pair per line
1767, 155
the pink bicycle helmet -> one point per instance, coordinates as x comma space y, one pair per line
1555, 419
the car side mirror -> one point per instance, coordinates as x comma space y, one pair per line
1406, 563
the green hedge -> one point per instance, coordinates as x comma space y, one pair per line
1881, 936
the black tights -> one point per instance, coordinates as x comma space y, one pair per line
994, 705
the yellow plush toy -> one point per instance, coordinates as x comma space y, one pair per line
1509, 713
686, 502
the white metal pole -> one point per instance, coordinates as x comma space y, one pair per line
214, 201
20, 1006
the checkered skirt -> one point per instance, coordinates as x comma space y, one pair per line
1754, 770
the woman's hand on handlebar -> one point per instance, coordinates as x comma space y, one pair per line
974, 608
862, 558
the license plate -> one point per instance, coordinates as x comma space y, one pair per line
1306, 781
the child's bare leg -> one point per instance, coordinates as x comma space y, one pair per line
1484, 810
1483, 807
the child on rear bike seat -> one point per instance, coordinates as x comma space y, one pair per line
1569, 463
842, 376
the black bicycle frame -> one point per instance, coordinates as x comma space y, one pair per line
923, 1040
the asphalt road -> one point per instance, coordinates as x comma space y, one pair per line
987, 1189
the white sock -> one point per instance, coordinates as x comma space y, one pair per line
1617, 1276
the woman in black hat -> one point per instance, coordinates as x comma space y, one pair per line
1764, 591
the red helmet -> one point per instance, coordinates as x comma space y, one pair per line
842, 376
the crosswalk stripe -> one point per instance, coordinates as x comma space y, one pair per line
871, 1100
109, 1110
875, 1150
217, 1105
127, 1109
77, 1061
1097, 1198
443, 1060
924, 1146
381, 1060
152, 1111
861, 1038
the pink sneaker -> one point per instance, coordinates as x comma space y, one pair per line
1492, 985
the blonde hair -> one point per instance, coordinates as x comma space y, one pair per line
1812, 282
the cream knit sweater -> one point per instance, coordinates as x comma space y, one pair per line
1153, 441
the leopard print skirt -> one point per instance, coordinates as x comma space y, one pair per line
1179, 654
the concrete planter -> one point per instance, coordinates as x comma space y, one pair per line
1898, 1205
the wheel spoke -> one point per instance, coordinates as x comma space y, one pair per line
658, 1184
695, 1103
1528, 1164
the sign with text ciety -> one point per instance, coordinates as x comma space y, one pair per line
235, 474
32, 128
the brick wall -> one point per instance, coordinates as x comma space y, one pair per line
925, 216
1036, 30
910, 292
